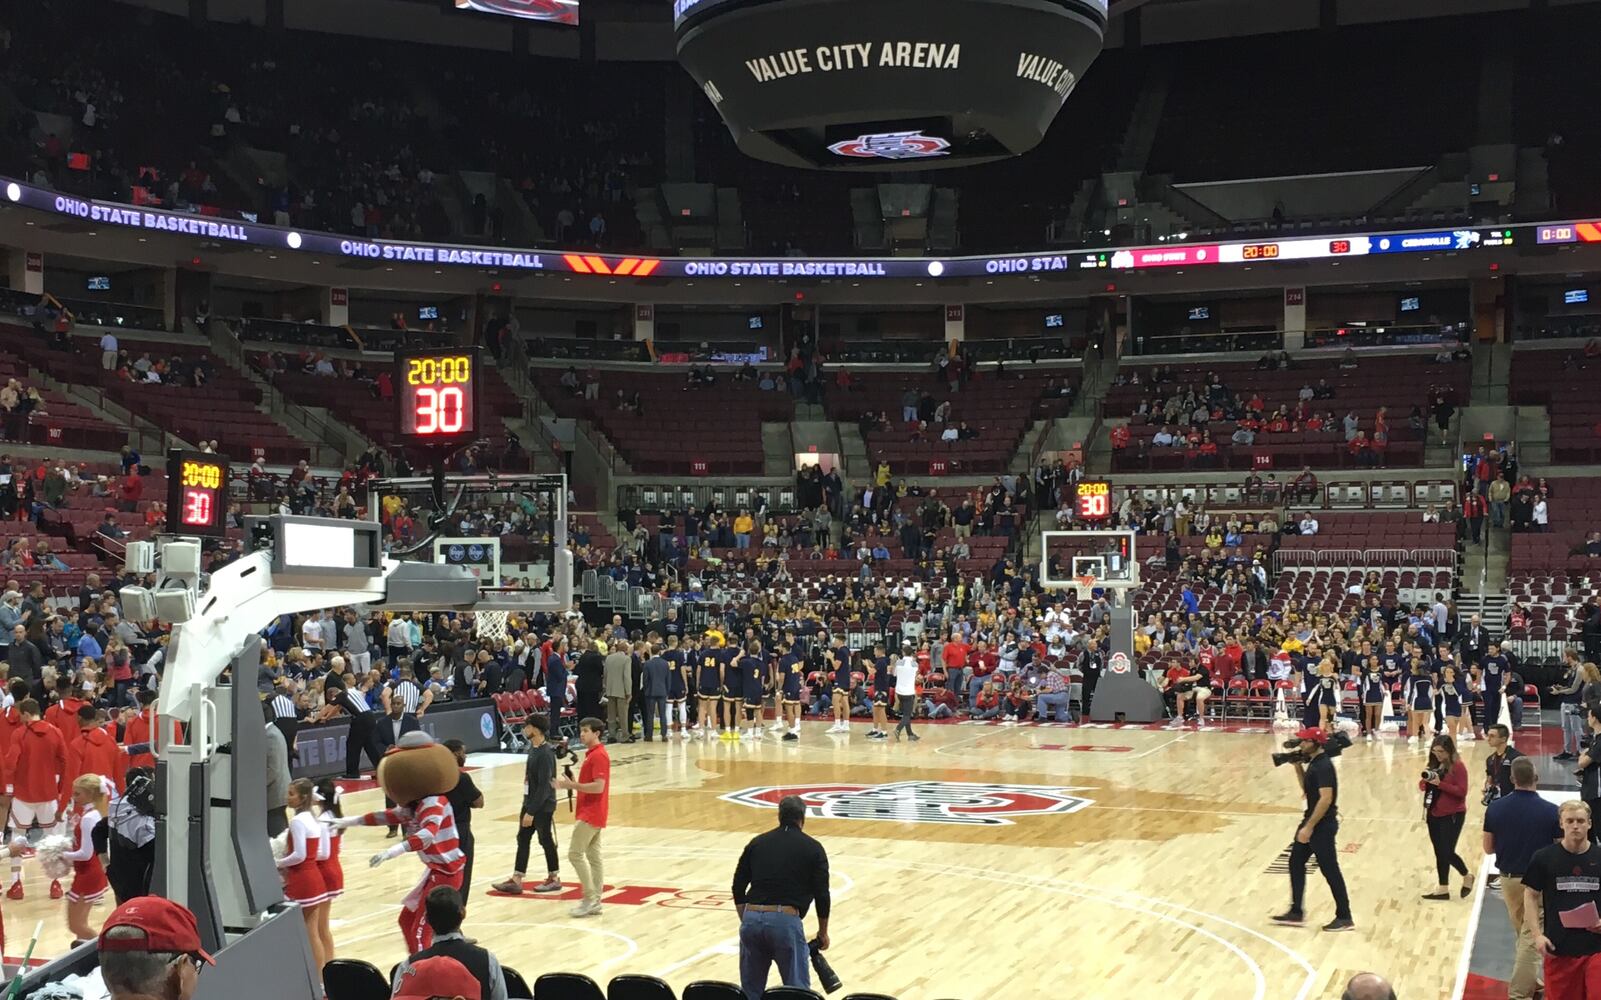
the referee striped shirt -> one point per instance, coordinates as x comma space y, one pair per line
283, 707
408, 694
355, 702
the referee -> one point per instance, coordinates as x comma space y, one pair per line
414, 701
285, 715
363, 736
779, 875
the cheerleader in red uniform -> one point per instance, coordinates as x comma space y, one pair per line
333, 875
302, 872
89, 884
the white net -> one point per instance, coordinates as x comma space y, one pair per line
492, 624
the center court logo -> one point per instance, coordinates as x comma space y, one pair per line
959, 802
892, 146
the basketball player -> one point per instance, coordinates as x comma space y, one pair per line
711, 687
838, 659
677, 690
882, 683
790, 668
775, 682
39, 782
733, 694
754, 677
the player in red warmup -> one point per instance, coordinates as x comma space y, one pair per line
140, 734
39, 782
89, 884
95, 751
64, 713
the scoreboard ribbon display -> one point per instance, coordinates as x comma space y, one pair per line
872, 84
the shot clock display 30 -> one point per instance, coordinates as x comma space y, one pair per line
1093, 500
438, 395
197, 493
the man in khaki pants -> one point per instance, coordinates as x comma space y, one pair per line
617, 682
594, 797
1515, 826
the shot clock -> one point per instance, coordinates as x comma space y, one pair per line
197, 493
1093, 500
437, 392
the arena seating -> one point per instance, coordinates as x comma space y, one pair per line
1398, 383
61, 423
683, 429
1557, 380
223, 410
1000, 411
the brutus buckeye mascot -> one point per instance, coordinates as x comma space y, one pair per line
417, 772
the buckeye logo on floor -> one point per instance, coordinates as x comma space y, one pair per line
959, 802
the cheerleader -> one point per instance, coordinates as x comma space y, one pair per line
302, 872
1311, 699
89, 883
1328, 695
1453, 695
1420, 702
326, 797
1372, 686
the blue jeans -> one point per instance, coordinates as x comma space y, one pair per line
768, 938
742, 540
1057, 701
974, 686
1572, 725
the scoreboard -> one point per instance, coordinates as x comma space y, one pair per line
437, 395
1092, 500
197, 493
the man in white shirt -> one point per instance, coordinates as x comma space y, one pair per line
1162, 438
108, 352
1308, 524
906, 690
311, 632
948, 434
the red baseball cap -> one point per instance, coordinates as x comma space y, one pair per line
1314, 734
168, 926
439, 976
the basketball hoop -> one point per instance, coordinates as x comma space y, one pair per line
1084, 587
492, 624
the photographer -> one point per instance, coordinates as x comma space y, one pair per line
1498, 766
1515, 826
779, 875
1445, 809
1315, 774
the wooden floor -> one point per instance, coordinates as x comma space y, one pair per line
1136, 863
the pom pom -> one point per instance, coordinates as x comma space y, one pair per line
280, 845
53, 856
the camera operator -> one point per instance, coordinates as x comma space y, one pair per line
1498, 766
1445, 809
1561, 878
779, 875
1515, 826
538, 811
1315, 774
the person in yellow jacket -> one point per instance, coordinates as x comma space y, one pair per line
744, 525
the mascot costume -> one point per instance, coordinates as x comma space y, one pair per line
417, 772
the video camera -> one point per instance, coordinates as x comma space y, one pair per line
1334, 747
567, 757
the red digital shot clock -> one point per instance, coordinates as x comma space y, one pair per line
197, 493
1093, 500
437, 392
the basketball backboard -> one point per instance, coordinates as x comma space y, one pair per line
1089, 560
511, 530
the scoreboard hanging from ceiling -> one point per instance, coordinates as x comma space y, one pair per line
1092, 500
197, 493
437, 395
874, 85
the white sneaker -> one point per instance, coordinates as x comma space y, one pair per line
587, 908
1201, 724
776, 727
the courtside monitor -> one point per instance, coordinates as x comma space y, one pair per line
875, 85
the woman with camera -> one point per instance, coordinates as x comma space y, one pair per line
1445, 809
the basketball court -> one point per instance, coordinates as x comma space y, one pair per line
1107, 862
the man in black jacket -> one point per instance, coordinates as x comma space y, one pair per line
444, 911
538, 811
463, 799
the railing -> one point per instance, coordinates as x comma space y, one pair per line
1384, 335
587, 350
674, 497
1208, 342
119, 314
603, 448
1031, 349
